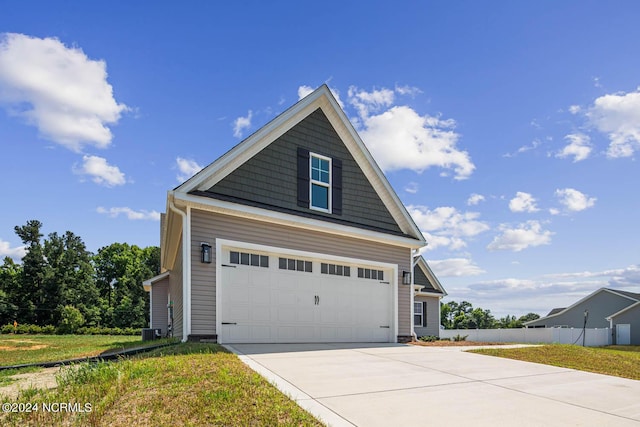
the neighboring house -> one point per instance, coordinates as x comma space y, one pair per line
626, 324
426, 302
600, 306
294, 235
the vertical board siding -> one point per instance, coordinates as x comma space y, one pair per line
207, 226
159, 315
175, 290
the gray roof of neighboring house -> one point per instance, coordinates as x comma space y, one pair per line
627, 293
555, 310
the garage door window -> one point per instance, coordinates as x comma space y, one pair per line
245, 258
367, 273
335, 269
295, 265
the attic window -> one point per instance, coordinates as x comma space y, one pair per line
320, 182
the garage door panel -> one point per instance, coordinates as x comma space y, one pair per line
274, 305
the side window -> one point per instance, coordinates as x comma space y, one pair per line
320, 182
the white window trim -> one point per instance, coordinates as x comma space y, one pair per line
320, 183
421, 313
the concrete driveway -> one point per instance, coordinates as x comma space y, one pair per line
405, 385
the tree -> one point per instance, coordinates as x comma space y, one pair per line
71, 320
9, 272
29, 295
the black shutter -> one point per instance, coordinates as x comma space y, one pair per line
336, 186
303, 177
424, 313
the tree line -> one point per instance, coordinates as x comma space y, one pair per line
58, 278
454, 315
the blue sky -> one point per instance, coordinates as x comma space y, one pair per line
510, 130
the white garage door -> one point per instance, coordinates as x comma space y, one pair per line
275, 298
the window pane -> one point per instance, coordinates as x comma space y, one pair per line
282, 263
300, 265
347, 271
308, 266
417, 307
234, 258
324, 268
319, 196
315, 162
244, 258
374, 274
255, 259
291, 264
380, 275
324, 177
315, 174
332, 269
417, 319
367, 273
324, 165
360, 272
339, 270
264, 261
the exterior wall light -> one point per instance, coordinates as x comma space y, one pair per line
206, 253
406, 277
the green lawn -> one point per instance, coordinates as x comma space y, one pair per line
22, 349
619, 361
187, 384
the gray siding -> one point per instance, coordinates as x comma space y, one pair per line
175, 290
433, 317
159, 316
631, 317
600, 306
206, 227
269, 179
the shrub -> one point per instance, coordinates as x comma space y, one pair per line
460, 337
429, 338
6, 329
71, 320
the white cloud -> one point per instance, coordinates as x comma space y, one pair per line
242, 123
534, 144
516, 239
399, 138
574, 200
411, 187
445, 226
129, 213
186, 168
579, 147
304, 90
523, 202
455, 267
408, 90
618, 116
474, 199
58, 89
575, 109
16, 253
101, 172
369, 102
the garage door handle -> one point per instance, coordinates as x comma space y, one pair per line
384, 327
229, 323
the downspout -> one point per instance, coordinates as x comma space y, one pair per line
414, 261
186, 270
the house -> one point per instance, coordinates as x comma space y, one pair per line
600, 309
294, 235
426, 302
626, 325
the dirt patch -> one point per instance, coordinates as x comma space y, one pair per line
33, 347
45, 378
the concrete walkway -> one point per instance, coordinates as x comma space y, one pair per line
405, 385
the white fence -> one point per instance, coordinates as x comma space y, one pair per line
593, 337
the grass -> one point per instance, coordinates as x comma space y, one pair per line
187, 384
23, 349
619, 361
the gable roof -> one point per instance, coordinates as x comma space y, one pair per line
245, 150
624, 310
553, 313
438, 289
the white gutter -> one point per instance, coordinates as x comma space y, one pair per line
186, 272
